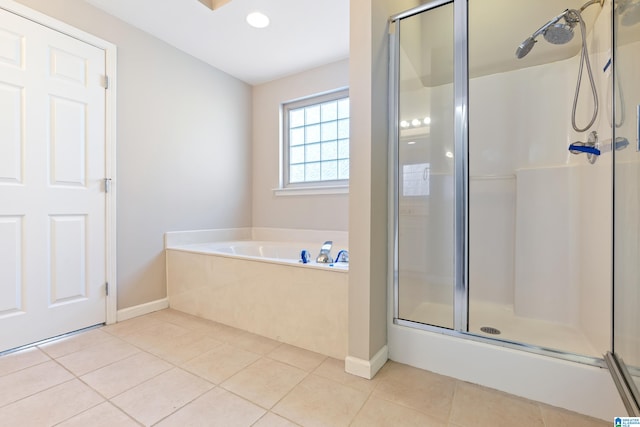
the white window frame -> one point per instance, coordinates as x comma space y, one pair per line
337, 186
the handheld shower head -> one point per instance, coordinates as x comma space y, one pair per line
525, 47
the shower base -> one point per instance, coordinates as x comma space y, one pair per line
534, 332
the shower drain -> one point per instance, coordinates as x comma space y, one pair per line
490, 330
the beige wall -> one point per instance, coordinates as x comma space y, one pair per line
368, 198
183, 146
317, 212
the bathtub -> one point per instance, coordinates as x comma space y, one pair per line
263, 288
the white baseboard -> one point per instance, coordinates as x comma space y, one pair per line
366, 368
142, 309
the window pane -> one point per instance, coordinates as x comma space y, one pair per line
343, 128
343, 149
296, 155
343, 169
312, 153
343, 108
329, 150
329, 170
312, 115
313, 134
296, 136
296, 173
312, 172
329, 131
296, 118
329, 111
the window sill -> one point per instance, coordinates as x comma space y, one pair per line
311, 191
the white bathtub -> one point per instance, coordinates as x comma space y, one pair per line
261, 287
265, 251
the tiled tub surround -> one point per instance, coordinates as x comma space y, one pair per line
304, 305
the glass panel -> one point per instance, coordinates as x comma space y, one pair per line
329, 131
312, 153
329, 171
329, 150
296, 136
312, 171
312, 115
296, 155
296, 173
296, 118
343, 128
343, 149
313, 134
626, 272
425, 196
343, 108
539, 217
329, 111
343, 169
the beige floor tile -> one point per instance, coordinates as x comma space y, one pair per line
187, 321
153, 400
103, 415
265, 382
18, 360
95, 357
70, 344
220, 363
31, 380
421, 390
381, 413
254, 343
298, 357
125, 374
223, 333
272, 420
556, 417
184, 347
217, 407
474, 406
333, 369
317, 401
51, 406
128, 327
155, 335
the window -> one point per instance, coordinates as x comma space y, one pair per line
316, 141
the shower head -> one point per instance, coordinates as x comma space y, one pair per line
525, 47
559, 33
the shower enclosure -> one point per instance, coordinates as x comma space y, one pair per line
516, 171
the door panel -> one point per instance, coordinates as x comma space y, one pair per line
52, 166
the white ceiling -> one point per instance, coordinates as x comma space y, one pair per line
308, 33
303, 34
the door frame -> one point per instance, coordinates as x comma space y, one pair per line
110, 136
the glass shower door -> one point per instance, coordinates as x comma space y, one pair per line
424, 169
624, 362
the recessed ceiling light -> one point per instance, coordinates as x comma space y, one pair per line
257, 19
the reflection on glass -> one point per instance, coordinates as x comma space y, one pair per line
425, 222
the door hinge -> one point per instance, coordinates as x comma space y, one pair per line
105, 82
107, 185
106, 288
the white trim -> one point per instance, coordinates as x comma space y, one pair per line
311, 191
110, 134
142, 309
366, 368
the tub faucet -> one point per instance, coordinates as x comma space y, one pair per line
324, 255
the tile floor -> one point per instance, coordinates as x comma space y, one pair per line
171, 369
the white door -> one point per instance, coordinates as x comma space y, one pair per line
52, 199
